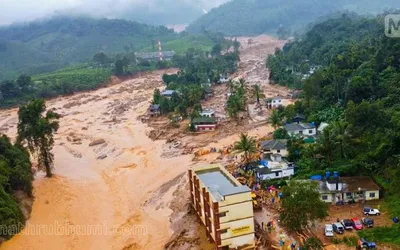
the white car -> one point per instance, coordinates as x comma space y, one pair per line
371, 211
328, 230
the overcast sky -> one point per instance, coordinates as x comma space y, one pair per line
26, 10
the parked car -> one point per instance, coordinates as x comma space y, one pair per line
328, 230
357, 225
363, 244
371, 211
338, 228
347, 224
368, 222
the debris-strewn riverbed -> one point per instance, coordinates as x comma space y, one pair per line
114, 187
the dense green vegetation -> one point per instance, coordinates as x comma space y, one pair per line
277, 17
356, 89
97, 71
198, 70
45, 46
36, 130
301, 205
15, 175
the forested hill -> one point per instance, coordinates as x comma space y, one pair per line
350, 75
253, 17
43, 46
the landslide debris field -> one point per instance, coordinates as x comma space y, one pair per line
109, 172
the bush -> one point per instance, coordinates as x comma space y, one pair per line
383, 234
350, 241
15, 174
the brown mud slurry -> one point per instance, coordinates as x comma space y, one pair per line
133, 188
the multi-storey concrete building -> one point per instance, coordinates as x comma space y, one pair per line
224, 206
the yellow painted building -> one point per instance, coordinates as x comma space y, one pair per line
224, 206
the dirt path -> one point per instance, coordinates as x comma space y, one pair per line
124, 190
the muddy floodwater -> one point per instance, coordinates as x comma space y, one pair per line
105, 193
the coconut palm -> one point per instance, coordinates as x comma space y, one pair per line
342, 135
327, 143
231, 86
257, 93
246, 145
275, 119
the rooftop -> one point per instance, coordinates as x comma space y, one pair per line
298, 126
207, 111
351, 184
299, 117
274, 144
167, 92
220, 184
207, 120
363, 182
154, 107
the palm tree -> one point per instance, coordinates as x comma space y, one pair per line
246, 145
257, 92
327, 142
342, 135
275, 119
243, 84
231, 86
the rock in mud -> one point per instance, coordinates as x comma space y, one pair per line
101, 157
97, 142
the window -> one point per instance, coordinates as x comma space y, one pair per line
277, 174
300, 132
223, 214
371, 195
278, 150
279, 101
348, 195
310, 131
324, 197
223, 231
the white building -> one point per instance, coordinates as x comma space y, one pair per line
275, 102
266, 173
274, 165
301, 129
207, 113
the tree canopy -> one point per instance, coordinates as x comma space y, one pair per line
37, 131
301, 205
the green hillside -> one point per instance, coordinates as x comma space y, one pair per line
354, 86
44, 46
253, 17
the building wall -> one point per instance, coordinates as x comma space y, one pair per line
306, 132
281, 174
207, 115
367, 195
283, 152
238, 219
330, 198
240, 241
236, 211
239, 232
332, 186
205, 127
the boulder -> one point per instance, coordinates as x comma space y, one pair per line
97, 142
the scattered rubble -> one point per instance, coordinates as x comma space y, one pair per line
97, 142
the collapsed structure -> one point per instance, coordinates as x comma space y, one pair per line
224, 206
